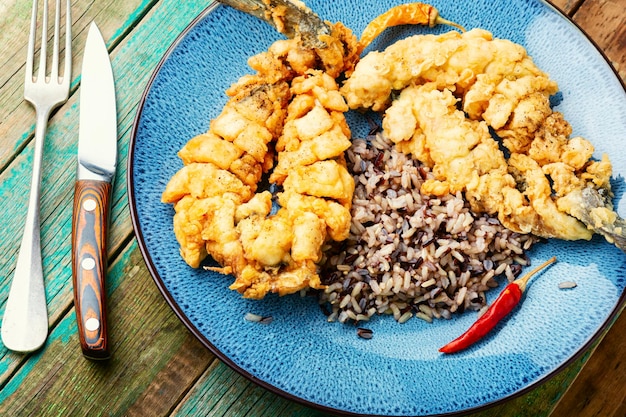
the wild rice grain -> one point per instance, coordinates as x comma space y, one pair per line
405, 317
364, 333
410, 254
424, 317
255, 318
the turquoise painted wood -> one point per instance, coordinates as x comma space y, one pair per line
61, 145
158, 368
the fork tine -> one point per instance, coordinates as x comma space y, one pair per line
31, 44
41, 75
67, 73
54, 71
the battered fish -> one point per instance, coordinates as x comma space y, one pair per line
455, 89
217, 212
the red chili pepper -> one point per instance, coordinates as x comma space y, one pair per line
500, 308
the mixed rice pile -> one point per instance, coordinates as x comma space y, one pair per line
413, 255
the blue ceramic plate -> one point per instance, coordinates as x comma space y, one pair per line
399, 371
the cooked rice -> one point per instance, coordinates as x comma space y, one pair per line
413, 255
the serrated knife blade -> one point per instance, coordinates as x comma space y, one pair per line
97, 160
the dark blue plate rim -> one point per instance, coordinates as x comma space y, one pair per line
596, 338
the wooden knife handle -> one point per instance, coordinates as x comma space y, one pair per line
90, 222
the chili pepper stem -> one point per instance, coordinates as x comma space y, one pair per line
523, 282
441, 21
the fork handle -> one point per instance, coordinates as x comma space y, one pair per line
25, 320
90, 222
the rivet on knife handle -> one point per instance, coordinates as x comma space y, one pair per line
89, 265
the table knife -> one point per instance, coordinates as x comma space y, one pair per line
97, 160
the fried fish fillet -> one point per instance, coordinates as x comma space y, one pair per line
426, 122
217, 209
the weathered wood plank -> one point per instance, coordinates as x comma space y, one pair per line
599, 388
270, 405
223, 392
17, 118
567, 6
138, 381
60, 154
210, 389
167, 387
154, 358
605, 22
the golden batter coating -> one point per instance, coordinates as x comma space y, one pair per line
460, 87
289, 108
282, 250
287, 119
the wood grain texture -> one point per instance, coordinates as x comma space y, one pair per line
599, 390
154, 358
566, 6
90, 228
59, 162
605, 22
223, 392
158, 368
16, 116
118, 23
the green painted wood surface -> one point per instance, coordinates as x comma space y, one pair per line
61, 144
158, 368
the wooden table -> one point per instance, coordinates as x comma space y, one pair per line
158, 368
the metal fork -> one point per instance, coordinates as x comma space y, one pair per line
25, 321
